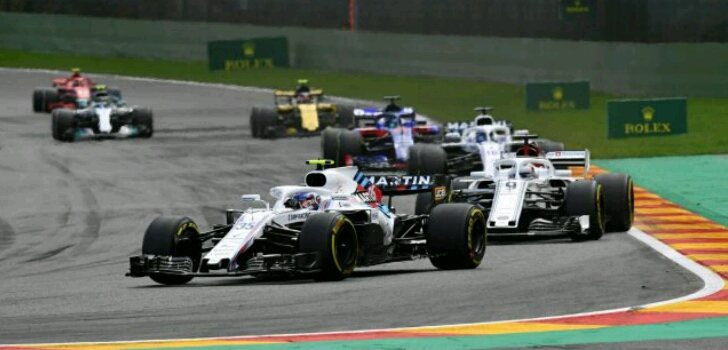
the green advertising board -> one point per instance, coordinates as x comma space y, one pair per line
576, 9
557, 96
651, 117
248, 54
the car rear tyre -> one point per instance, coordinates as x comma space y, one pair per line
42, 98
351, 145
334, 238
413, 159
38, 101
329, 144
254, 115
173, 236
346, 117
586, 198
618, 201
427, 159
267, 123
63, 125
423, 203
456, 236
338, 144
144, 121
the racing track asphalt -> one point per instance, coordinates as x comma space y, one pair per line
71, 214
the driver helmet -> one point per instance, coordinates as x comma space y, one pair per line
307, 200
100, 94
480, 136
387, 122
303, 97
527, 171
302, 87
75, 73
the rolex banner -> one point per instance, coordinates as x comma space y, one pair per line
258, 53
557, 96
654, 117
576, 9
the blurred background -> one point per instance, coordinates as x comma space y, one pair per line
605, 20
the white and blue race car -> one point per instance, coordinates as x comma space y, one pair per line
326, 228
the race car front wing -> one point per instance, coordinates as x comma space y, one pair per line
300, 263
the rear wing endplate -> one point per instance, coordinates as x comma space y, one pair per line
566, 160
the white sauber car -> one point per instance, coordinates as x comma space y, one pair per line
326, 227
539, 195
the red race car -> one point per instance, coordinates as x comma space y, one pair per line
72, 92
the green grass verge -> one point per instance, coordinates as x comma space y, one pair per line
444, 99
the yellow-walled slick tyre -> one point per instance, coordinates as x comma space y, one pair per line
334, 238
618, 201
456, 236
586, 198
173, 236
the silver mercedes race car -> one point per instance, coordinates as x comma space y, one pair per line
539, 195
327, 227
107, 116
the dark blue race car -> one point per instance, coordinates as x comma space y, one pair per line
382, 139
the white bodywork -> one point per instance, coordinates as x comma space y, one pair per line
337, 194
491, 140
515, 178
103, 111
104, 114
403, 139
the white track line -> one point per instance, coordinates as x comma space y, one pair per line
712, 282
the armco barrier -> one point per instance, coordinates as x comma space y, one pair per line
625, 68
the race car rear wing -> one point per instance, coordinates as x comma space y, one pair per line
570, 161
396, 185
291, 93
459, 127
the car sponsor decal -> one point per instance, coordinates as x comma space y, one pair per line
299, 216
